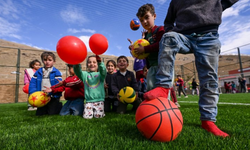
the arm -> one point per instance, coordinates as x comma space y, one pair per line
26, 77
78, 71
114, 85
155, 46
102, 70
227, 3
33, 84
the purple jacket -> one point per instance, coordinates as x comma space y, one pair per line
139, 64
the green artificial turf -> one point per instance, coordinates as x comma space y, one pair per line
21, 129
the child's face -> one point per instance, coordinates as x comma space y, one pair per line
71, 71
36, 66
92, 64
48, 62
148, 21
110, 67
122, 64
145, 72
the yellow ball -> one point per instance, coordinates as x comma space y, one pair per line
143, 42
127, 95
38, 99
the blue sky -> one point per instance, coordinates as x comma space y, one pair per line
41, 23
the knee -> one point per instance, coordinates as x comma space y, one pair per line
210, 85
170, 39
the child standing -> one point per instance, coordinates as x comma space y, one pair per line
28, 74
195, 87
192, 27
121, 79
47, 76
181, 86
146, 14
74, 94
111, 102
93, 80
142, 84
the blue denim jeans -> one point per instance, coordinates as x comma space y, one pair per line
206, 49
74, 107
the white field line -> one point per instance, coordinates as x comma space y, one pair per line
218, 103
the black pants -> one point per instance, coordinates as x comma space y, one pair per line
122, 108
53, 107
110, 104
181, 89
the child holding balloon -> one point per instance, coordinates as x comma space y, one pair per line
47, 76
28, 74
93, 86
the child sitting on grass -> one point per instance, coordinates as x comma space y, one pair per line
74, 93
93, 80
47, 76
121, 79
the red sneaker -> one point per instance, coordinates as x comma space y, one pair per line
156, 92
211, 127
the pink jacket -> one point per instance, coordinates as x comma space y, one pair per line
28, 73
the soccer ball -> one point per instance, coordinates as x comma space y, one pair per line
143, 42
38, 99
134, 24
127, 95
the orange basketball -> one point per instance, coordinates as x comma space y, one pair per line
159, 119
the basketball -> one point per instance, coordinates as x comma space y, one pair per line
143, 42
127, 95
38, 99
71, 50
159, 120
134, 24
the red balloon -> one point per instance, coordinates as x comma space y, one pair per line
98, 43
71, 49
26, 88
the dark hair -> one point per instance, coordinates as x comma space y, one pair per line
145, 67
46, 54
112, 61
144, 9
178, 75
70, 66
120, 57
32, 63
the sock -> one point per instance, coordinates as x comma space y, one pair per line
211, 127
156, 92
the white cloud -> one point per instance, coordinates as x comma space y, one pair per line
85, 40
119, 47
81, 30
161, 1
73, 15
8, 29
8, 9
235, 9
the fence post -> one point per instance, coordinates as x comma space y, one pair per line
17, 75
241, 70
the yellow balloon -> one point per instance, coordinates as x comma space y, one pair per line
38, 99
143, 42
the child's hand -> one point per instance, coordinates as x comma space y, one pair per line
47, 90
139, 50
98, 59
131, 44
118, 97
59, 84
143, 32
106, 86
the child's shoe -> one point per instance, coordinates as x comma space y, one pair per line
177, 104
211, 127
32, 108
156, 92
186, 96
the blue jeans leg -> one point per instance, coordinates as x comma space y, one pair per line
77, 107
206, 49
65, 109
206, 52
171, 43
